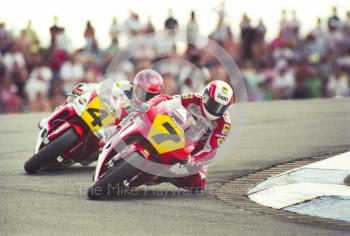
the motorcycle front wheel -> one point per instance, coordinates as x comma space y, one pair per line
113, 180
49, 154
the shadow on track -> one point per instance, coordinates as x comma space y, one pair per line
74, 170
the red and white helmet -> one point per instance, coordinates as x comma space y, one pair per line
217, 98
147, 84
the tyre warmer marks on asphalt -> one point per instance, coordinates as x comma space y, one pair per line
316, 189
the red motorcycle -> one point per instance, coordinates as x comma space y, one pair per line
71, 134
146, 146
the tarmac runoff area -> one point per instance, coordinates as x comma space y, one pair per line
318, 189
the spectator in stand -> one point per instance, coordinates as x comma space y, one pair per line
252, 78
149, 27
192, 29
347, 21
346, 32
300, 91
312, 49
9, 100
30, 32
29, 42
192, 77
231, 46
58, 53
325, 69
92, 74
281, 50
344, 60
5, 39
24, 42
132, 26
335, 39
14, 58
54, 29
284, 81
165, 48
62, 41
110, 52
39, 103
338, 83
294, 28
294, 24
171, 25
115, 30
334, 20
220, 9
320, 36
284, 24
259, 46
15, 65
261, 30
248, 36
93, 55
265, 88
89, 35
222, 31
113, 48
307, 81
57, 96
71, 72
39, 80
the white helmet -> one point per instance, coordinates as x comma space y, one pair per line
217, 98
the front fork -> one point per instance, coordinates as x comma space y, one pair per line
42, 139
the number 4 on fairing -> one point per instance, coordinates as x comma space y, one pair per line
97, 115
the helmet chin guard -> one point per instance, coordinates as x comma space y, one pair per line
207, 114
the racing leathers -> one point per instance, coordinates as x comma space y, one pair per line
206, 150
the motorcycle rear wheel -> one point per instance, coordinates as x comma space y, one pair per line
48, 154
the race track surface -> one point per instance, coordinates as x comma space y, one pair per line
55, 202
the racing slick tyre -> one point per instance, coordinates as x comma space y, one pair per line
113, 179
48, 154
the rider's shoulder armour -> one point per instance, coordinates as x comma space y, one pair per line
191, 98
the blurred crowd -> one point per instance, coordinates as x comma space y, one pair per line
290, 66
